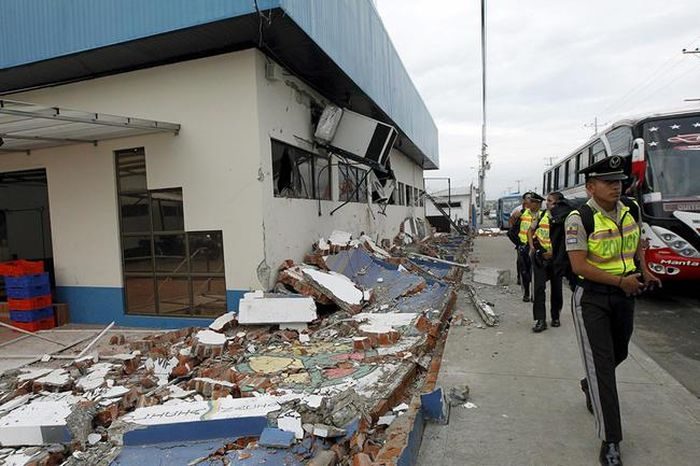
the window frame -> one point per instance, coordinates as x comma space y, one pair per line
153, 274
313, 158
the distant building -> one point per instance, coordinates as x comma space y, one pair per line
460, 203
209, 176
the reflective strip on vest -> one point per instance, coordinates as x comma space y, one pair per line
609, 250
542, 232
525, 222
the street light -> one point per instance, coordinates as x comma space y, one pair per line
449, 190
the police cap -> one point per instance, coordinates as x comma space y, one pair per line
536, 197
608, 169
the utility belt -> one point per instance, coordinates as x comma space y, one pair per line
594, 287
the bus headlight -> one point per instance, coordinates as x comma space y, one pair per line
675, 242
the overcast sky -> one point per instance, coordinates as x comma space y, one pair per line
553, 65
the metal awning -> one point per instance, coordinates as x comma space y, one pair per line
26, 126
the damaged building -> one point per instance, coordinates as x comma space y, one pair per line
163, 158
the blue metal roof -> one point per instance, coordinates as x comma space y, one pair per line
35, 33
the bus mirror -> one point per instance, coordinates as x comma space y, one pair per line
639, 164
638, 150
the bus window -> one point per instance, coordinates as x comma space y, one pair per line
556, 179
583, 163
572, 171
565, 177
577, 167
598, 151
620, 140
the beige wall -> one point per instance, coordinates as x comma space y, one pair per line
214, 159
292, 225
229, 112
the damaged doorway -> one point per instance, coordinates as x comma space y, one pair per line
25, 224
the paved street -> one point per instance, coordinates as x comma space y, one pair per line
529, 408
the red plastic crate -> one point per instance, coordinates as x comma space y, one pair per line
20, 268
43, 324
29, 304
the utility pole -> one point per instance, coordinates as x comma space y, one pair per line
691, 52
483, 160
518, 181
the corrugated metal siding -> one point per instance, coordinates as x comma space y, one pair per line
34, 30
352, 34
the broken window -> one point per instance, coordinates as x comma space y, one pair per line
299, 174
167, 270
353, 183
401, 193
409, 195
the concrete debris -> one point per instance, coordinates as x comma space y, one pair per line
482, 307
459, 395
491, 276
304, 375
257, 308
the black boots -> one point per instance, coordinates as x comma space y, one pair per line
610, 454
584, 388
539, 326
556, 323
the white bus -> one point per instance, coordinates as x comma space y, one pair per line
665, 179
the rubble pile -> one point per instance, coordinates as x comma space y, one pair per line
321, 369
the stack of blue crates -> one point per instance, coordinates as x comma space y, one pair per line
36, 313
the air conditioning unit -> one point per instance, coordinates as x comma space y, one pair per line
355, 134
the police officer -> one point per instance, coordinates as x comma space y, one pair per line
603, 301
531, 209
543, 270
515, 218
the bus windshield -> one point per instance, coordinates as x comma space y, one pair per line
673, 153
510, 203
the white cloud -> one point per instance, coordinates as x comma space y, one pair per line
553, 67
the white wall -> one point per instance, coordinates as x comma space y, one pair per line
292, 225
215, 159
457, 213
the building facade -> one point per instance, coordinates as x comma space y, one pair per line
169, 229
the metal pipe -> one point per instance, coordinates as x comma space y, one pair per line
90, 345
26, 332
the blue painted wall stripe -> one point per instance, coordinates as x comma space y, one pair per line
102, 305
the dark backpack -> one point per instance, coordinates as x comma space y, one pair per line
513, 233
557, 230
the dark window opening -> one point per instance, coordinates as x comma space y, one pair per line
300, 174
167, 270
353, 183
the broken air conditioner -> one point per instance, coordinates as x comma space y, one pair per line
356, 135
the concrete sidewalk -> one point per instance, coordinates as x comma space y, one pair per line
530, 409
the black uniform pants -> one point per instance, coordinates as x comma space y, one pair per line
525, 268
603, 318
543, 272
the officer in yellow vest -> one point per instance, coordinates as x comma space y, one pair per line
603, 301
527, 217
543, 269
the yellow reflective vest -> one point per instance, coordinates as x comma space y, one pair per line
542, 232
611, 247
526, 219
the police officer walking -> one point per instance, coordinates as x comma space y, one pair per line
543, 269
602, 241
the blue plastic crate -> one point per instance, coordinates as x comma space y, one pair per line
27, 280
31, 316
28, 291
